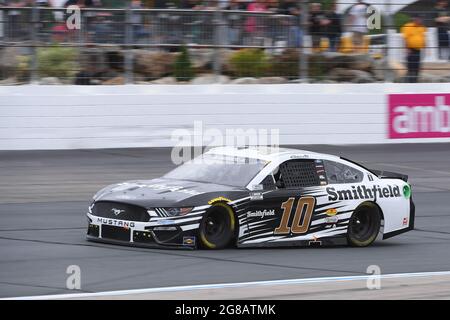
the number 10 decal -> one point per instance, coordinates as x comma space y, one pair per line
305, 209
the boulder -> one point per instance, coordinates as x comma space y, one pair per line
165, 80
272, 80
210, 79
429, 78
247, 80
50, 81
354, 76
153, 64
398, 69
334, 60
9, 81
8, 62
114, 81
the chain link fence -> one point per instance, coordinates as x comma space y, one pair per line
167, 46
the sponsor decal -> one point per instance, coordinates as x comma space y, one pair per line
165, 228
164, 187
165, 222
363, 192
405, 221
331, 212
189, 241
419, 116
117, 223
218, 199
333, 219
256, 196
260, 213
258, 187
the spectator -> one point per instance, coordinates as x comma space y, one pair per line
251, 25
441, 17
15, 27
136, 20
357, 20
414, 33
317, 23
334, 28
162, 4
290, 7
191, 4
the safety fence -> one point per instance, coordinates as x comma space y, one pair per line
167, 46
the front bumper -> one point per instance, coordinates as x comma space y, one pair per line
139, 234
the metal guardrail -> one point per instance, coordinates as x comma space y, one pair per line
32, 29
145, 27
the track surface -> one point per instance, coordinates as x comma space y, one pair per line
44, 195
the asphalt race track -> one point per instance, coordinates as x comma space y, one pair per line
44, 196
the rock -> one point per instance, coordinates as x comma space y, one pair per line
50, 81
334, 60
272, 80
142, 82
379, 69
165, 80
210, 79
300, 81
398, 69
153, 64
8, 61
201, 58
354, 76
9, 81
429, 78
114, 81
445, 79
93, 60
247, 80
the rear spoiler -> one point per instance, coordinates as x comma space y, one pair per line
390, 175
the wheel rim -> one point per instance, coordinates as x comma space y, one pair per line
363, 225
215, 226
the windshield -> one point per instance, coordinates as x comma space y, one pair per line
220, 169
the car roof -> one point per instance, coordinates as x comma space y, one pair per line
269, 153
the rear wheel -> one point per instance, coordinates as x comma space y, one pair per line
217, 227
364, 225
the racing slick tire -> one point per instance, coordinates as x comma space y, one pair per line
364, 225
217, 227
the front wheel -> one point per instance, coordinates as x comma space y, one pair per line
217, 227
364, 225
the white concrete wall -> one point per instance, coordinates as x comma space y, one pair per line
73, 117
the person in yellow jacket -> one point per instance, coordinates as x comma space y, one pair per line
414, 33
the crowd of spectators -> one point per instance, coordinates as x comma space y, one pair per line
322, 23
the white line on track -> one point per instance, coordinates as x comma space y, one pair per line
229, 285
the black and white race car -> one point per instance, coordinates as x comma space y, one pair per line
255, 197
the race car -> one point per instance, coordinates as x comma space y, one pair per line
255, 197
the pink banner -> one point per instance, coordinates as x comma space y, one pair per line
419, 116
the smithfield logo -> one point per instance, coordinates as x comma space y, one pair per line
362, 192
116, 212
260, 213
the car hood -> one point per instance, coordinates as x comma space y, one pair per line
164, 192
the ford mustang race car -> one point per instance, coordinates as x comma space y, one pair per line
255, 197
